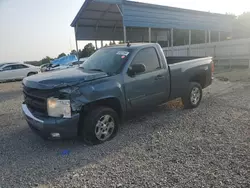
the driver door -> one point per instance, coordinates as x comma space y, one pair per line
147, 88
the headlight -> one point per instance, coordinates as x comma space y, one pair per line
58, 108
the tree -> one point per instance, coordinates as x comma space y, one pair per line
241, 26
73, 52
45, 60
36, 63
61, 55
87, 51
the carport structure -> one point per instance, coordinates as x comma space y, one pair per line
124, 20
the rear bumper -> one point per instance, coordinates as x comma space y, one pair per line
46, 127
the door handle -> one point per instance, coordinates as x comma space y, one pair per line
158, 77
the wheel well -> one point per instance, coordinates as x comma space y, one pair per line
112, 102
31, 73
201, 79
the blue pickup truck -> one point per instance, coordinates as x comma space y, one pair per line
92, 100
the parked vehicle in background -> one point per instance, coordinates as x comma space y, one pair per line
43, 67
63, 63
53, 67
16, 71
80, 62
90, 101
83, 59
2, 64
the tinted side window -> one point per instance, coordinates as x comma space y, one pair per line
20, 66
10, 67
149, 58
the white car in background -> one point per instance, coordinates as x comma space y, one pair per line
16, 71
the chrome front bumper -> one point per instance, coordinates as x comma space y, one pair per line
27, 112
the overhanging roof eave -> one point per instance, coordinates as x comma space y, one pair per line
85, 4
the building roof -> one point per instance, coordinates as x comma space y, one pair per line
97, 10
112, 15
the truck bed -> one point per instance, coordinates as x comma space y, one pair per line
173, 59
187, 69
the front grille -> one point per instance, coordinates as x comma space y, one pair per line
35, 103
37, 99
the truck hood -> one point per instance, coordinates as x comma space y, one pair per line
61, 78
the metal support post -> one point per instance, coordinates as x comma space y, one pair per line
96, 47
77, 51
149, 34
249, 55
125, 34
172, 41
206, 36
209, 36
189, 37
189, 42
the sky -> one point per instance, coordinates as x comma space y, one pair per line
33, 29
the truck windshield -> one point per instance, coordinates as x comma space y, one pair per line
109, 60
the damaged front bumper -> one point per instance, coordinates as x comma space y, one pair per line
50, 127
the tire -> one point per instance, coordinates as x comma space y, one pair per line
194, 96
94, 133
31, 73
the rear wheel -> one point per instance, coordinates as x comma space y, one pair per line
99, 125
194, 96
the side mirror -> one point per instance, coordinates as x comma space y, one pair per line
136, 69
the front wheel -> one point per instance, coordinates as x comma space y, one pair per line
194, 96
99, 125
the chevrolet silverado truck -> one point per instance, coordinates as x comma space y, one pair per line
91, 101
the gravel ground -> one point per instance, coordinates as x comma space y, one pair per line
168, 147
